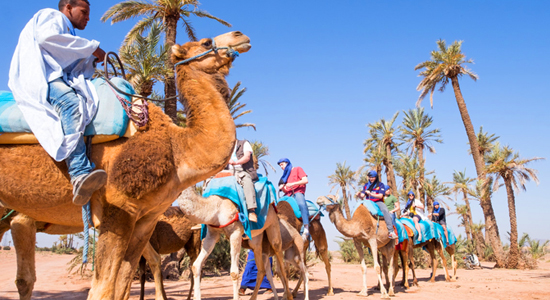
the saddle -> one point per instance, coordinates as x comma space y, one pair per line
109, 123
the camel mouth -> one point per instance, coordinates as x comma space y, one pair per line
242, 47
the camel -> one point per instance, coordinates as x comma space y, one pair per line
146, 172
431, 246
319, 237
217, 212
363, 229
172, 233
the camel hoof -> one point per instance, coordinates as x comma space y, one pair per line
330, 293
432, 280
391, 293
363, 294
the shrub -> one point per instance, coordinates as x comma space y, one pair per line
220, 258
6, 248
349, 252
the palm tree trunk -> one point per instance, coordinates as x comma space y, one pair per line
513, 257
170, 107
491, 226
389, 168
421, 195
346, 203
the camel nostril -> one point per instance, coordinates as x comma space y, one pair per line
237, 33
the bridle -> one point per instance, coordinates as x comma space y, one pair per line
232, 53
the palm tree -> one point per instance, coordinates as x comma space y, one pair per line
447, 63
503, 162
169, 12
462, 211
485, 142
408, 168
235, 106
259, 151
343, 178
416, 134
461, 185
374, 160
144, 62
382, 141
435, 189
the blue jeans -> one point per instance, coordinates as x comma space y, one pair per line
387, 217
64, 100
301, 200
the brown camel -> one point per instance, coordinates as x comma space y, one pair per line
432, 246
172, 233
216, 211
146, 172
363, 229
319, 237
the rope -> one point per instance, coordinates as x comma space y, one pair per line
86, 213
377, 223
4, 217
235, 218
230, 52
139, 118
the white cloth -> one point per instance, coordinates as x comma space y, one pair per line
48, 49
246, 148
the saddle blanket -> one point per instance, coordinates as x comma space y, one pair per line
110, 119
401, 231
440, 235
313, 208
377, 213
229, 188
427, 230
372, 207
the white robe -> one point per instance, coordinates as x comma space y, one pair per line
48, 49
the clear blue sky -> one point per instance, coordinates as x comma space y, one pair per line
320, 71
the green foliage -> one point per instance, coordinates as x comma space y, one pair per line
6, 248
532, 247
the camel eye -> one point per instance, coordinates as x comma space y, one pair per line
207, 44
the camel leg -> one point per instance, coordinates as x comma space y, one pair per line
454, 264
256, 245
142, 268
403, 255
23, 231
439, 249
374, 249
273, 233
208, 244
359, 247
320, 240
269, 276
154, 260
389, 260
290, 254
235, 241
431, 251
410, 254
324, 256
192, 248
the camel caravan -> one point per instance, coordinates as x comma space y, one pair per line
150, 165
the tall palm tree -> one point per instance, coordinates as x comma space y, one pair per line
374, 159
260, 150
436, 190
382, 141
169, 12
448, 64
416, 134
145, 61
461, 185
343, 178
408, 168
485, 142
235, 106
503, 162
462, 211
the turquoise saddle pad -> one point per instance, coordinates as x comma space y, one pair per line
401, 231
229, 188
373, 208
440, 235
427, 230
313, 208
110, 118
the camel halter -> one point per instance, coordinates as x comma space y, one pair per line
230, 52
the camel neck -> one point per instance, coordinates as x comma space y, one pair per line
198, 209
205, 145
348, 228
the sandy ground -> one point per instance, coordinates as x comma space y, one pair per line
53, 282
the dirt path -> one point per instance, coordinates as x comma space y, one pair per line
54, 283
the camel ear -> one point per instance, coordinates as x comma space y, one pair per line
178, 53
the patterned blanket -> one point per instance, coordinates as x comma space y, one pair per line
440, 235
229, 188
110, 118
427, 230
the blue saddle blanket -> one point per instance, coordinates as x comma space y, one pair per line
372, 207
313, 208
110, 118
440, 235
229, 188
401, 231
427, 228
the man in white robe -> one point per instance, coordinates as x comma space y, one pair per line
49, 78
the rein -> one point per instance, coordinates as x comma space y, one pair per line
230, 52
235, 218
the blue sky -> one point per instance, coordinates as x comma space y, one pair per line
319, 72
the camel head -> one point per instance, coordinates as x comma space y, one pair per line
217, 53
330, 202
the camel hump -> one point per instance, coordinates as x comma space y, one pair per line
109, 123
286, 212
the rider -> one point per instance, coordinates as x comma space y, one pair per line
243, 164
391, 203
438, 216
49, 78
375, 191
293, 183
412, 206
